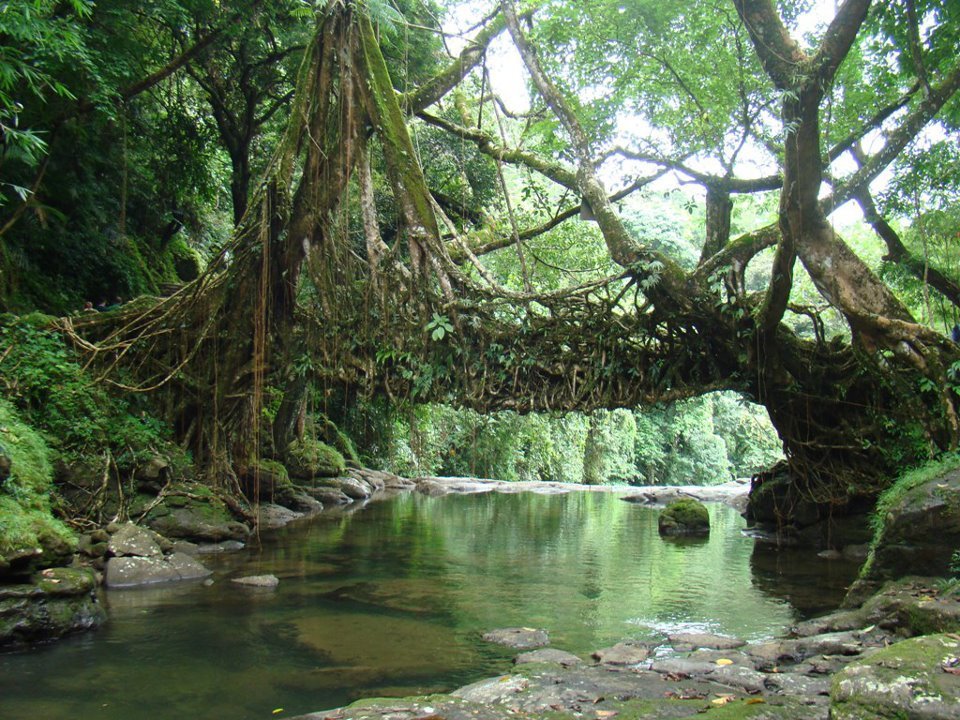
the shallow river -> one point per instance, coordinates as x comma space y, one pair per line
392, 599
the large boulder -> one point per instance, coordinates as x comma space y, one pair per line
132, 571
134, 540
194, 512
920, 528
308, 458
266, 480
916, 678
685, 516
56, 602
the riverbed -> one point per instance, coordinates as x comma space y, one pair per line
392, 598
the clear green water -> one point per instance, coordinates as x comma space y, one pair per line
392, 599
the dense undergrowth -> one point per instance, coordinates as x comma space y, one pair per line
25, 495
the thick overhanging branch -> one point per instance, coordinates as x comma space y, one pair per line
671, 286
557, 219
779, 53
899, 138
451, 76
559, 173
898, 253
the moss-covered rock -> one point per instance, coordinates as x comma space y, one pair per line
309, 458
56, 602
917, 523
685, 516
266, 480
916, 678
191, 511
30, 537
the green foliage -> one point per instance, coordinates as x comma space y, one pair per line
38, 38
42, 376
25, 518
701, 441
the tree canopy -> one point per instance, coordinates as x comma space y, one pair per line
414, 236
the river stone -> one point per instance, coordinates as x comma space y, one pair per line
351, 487
258, 581
187, 567
916, 678
132, 540
271, 517
187, 547
920, 531
685, 516
623, 653
548, 655
518, 638
221, 547
189, 519
913, 606
58, 601
690, 641
308, 458
303, 502
492, 690
133, 571
376, 481
328, 495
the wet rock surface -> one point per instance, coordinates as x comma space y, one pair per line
518, 638
124, 572
56, 602
624, 653
920, 531
834, 659
684, 517
257, 581
548, 656
916, 678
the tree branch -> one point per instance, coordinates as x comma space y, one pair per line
838, 39
442, 83
778, 52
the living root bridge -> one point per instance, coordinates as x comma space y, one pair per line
309, 290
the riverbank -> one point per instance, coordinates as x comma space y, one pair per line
896, 656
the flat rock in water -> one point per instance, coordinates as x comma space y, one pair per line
272, 516
549, 656
133, 541
259, 581
351, 487
220, 547
518, 638
328, 495
916, 678
187, 567
492, 690
623, 653
186, 547
691, 641
131, 571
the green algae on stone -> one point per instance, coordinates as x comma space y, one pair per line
685, 516
57, 602
914, 678
309, 458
